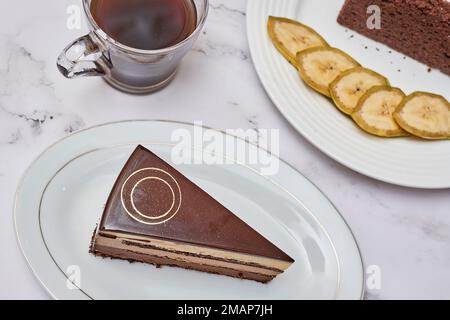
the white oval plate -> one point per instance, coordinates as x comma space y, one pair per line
407, 161
62, 195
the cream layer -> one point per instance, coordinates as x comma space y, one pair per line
191, 253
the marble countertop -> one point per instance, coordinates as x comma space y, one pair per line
406, 232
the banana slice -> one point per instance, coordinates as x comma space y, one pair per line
290, 37
425, 115
374, 111
319, 66
351, 85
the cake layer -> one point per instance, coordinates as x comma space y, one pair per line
159, 253
121, 240
417, 28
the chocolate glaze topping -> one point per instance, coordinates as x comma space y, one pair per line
151, 198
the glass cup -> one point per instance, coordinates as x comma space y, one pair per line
125, 68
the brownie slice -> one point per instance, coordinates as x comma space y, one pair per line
417, 28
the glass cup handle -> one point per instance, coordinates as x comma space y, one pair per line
83, 58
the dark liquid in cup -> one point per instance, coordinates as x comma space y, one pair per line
146, 24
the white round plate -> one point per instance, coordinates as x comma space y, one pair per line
62, 195
406, 161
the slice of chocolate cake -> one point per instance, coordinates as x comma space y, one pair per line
417, 28
156, 215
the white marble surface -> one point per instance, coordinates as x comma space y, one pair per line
404, 231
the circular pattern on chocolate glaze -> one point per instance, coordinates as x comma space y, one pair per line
131, 185
148, 202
